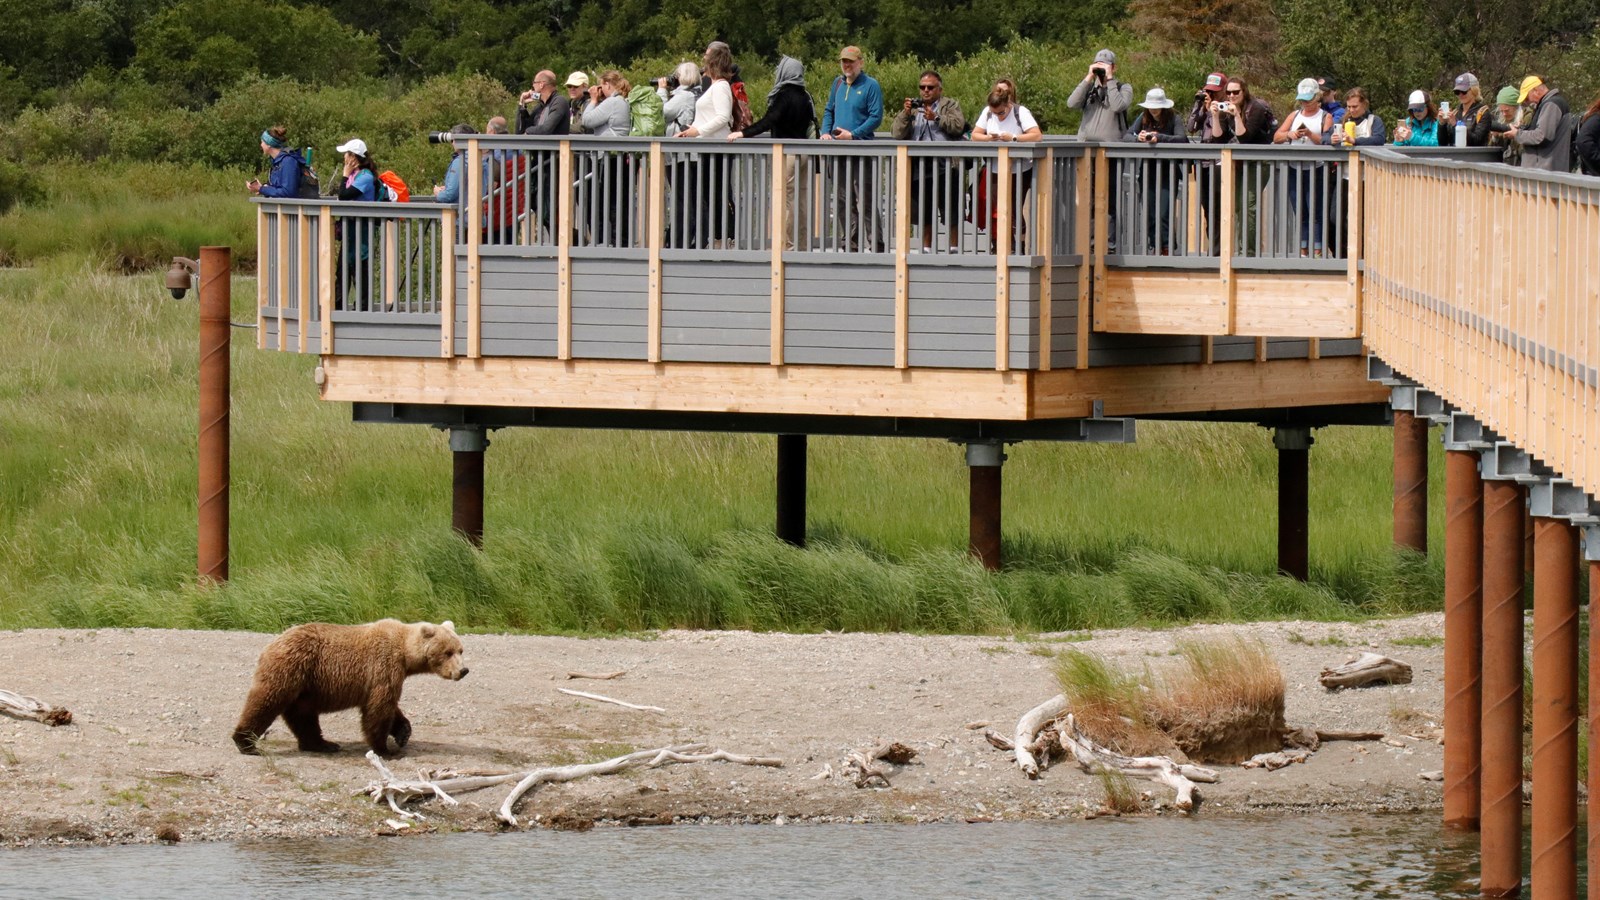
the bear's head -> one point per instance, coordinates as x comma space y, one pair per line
436, 649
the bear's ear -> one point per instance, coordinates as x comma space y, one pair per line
448, 625
427, 630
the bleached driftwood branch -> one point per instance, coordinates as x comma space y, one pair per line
442, 785
18, 706
1028, 727
1368, 668
1093, 758
588, 696
597, 676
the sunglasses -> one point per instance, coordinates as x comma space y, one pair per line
927, 87
1233, 93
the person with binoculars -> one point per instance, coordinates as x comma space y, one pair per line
1105, 101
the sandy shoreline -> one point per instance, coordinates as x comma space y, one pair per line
149, 752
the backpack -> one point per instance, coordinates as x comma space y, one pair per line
742, 117
309, 188
392, 188
646, 118
1574, 123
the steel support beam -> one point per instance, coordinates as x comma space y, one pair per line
467, 445
1501, 813
1410, 479
1463, 638
1294, 500
791, 500
984, 459
1555, 710
216, 272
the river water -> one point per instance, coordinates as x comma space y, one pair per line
1400, 856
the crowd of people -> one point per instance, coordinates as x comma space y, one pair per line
1531, 122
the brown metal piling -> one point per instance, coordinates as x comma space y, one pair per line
467, 446
1294, 501
1411, 480
1500, 841
983, 509
215, 373
1463, 630
1593, 823
1555, 710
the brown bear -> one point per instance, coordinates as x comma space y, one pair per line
319, 668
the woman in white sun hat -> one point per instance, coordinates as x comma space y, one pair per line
1157, 123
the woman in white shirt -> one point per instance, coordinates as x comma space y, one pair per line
713, 120
1007, 121
1308, 194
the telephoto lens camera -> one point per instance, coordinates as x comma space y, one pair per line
672, 82
440, 137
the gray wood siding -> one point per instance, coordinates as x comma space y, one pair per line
957, 330
1064, 317
610, 308
518, 304
714, 311
366, 338
838, 315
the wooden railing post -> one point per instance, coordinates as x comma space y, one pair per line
780, 216
303, 260
1102, 233
325, 276
1083, 226
473, 196
657, 234
1002, 260
1044, 189
1226, 188
447, 283
283, 276
902, 250
564, 254
263, 266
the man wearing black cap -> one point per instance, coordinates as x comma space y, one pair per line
1103, 99
1330, 99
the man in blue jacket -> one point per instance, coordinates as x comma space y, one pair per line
853, 113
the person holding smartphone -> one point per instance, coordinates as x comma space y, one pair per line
1310, 125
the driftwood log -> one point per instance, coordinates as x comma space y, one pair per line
1093, 759
1274, 761
20, 707
862, 765
600, 698
1368, 668
1028, 727
441, 785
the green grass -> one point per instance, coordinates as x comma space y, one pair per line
587, 531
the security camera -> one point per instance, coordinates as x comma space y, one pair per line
181, 275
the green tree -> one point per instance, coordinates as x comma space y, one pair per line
198, 47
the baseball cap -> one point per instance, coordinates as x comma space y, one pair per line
1307, 89
1326, 82
1466, 81
1215, 81
1528, 84
354, 145
1507, 96
1417, 102
851, 53
1105, 56
577, 79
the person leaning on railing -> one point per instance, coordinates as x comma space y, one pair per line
543, 110
1310, 125
677, 104
358, 181
1508, 113
1361, 126
505, 190
577, 98
284, 179
1589, 140
1547, 142
450, 191
1006, 121
930, 117
1422, 127
1242, 118
1471, 118
1157, 124
713, 118
853, 113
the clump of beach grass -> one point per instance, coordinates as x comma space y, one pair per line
1122, 798
1219, 702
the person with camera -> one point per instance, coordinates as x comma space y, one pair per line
1242, 118
1007, 121
577, 99
1156, 124
1105, 101
1311, 125
543, 109
931, 116
678, 93
450, 191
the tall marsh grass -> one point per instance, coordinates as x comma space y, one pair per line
589, 531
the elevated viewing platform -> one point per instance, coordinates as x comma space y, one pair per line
841, 280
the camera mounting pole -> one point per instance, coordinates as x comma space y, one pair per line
216, 267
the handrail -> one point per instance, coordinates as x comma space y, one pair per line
1480, 285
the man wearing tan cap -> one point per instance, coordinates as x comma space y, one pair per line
853, 113
1547, 143
578, 101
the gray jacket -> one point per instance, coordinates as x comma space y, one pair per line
678, 109
948, 119
608, 118
1104, 119
1547, 143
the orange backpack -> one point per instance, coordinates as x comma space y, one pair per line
393, 187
